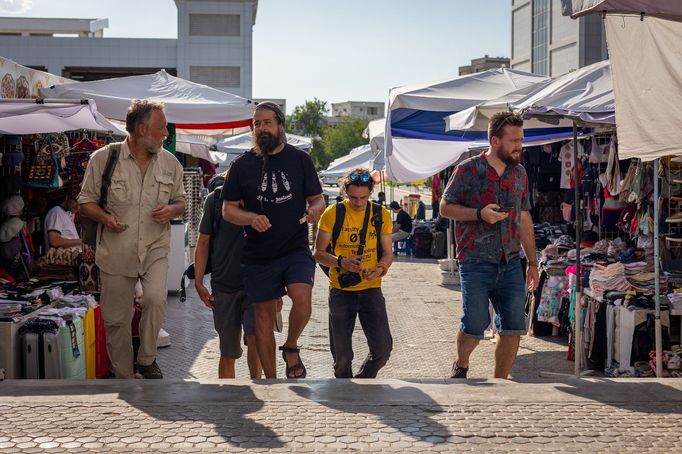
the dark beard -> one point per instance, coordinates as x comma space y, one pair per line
267, 142
509, 159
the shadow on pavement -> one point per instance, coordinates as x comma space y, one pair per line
389, 404
531, 365
639, 395
222, 408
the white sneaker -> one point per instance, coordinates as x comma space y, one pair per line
163, 340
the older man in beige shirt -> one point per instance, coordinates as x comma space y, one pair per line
146, 192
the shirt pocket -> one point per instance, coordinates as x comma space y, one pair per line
165, 184
119, 193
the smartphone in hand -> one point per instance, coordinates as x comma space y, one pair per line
504, 209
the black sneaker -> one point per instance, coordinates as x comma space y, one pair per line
458, 371
151, 371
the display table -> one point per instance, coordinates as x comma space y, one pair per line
10, 347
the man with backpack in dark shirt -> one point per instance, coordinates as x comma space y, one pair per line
358, 254
221, 244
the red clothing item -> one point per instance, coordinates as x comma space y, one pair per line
476, 184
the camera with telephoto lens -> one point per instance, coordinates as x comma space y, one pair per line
349, 279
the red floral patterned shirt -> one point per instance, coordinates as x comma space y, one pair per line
475, 184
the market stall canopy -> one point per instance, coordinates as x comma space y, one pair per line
359, 157
417, 144
26, 116
230, 148
375, 132
189, 105
643, 40
197, 149
23, 82
585, 95
660, 8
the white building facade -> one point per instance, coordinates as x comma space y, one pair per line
359, 109
214, 46
548, 43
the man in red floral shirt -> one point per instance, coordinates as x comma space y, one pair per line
488, 197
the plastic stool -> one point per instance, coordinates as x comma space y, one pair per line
404, 246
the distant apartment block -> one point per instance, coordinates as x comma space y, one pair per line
548, 43
358, 109
483, 64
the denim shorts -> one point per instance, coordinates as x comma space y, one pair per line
269, 281
500, 284
231, 312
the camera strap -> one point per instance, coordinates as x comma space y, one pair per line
363, 232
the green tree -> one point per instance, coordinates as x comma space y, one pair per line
308, 119
339, 140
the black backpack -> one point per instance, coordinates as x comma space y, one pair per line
377, 221
217, 216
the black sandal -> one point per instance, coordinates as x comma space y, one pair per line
298, 366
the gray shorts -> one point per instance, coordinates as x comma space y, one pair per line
231, 311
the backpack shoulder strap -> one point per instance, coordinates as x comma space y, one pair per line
378, 221
112, 160
217, 209
338, 223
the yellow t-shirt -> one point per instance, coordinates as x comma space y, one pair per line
349, 241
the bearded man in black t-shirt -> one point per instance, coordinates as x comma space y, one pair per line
273, 191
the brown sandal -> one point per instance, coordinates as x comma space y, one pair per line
298, 366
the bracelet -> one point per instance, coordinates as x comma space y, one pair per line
478, 215
338, 260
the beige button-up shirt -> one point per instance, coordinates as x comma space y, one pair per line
132, 200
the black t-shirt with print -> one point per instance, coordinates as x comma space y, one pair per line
283, 183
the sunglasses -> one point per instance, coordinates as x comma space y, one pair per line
363, 177
511, 120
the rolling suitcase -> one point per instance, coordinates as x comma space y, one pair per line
41, 348
73, 349
438, 246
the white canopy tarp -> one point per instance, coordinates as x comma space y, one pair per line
359, 157
585, 95
230, 148
19, 117
416, 142
196, 149
187, 103
647, 81
375, 133
661, 8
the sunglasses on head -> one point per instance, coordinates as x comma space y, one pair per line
364, 177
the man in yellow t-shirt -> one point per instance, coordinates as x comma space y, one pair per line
355, 276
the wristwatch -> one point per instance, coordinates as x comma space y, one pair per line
478, 215
338, 260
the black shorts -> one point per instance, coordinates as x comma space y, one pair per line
231, 311
269, 281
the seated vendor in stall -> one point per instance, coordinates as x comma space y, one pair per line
60, 226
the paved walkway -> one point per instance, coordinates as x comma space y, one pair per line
587, 415
423, 315
410, 408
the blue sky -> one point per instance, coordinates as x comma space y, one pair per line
335, 50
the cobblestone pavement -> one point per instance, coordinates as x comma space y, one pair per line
423, 315
588, 415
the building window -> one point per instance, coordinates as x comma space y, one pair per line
372, 111
216, 76
541, 37
214, 25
